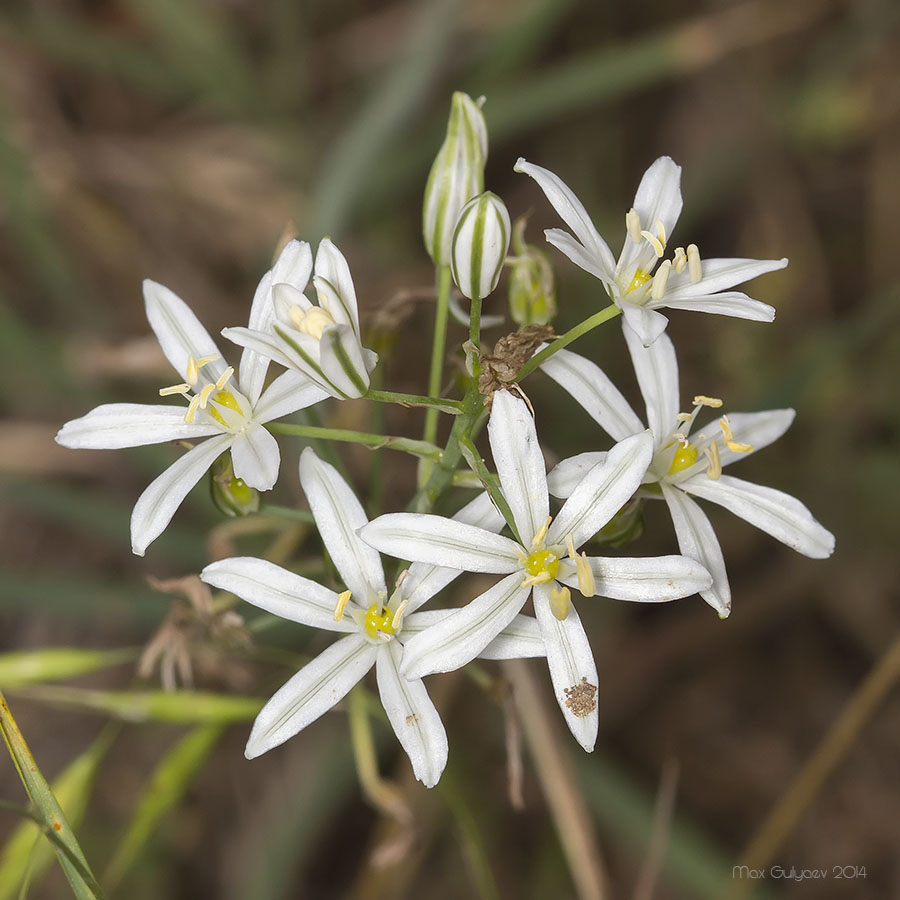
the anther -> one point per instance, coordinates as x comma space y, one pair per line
727, 433
660, 278
204, 395
715, 461
694, 267
739, 447
540, 578
538, 539
182, 389
207, 359
297, 316
655, 242
192, 409
586, 583
341, 605
560, 602
702, 400
193, 372
661, 231
679, 260
397, 620
633, 225
685, 417
224, 378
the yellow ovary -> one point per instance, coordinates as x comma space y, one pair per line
685, 456
542, 565
640, 279
379, 622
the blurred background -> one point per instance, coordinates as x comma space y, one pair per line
182, 140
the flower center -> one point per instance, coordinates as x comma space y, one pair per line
378, 623
685, 456
312, 321
210, 393
542, 564
640, 279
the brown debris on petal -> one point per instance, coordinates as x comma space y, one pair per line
581, 698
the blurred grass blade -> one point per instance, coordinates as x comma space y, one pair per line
162, 792
55, 824
52, 664
181, 707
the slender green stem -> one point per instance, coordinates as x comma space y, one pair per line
286, 512
438, 347
489, 480
605, 314
475, 335
375, 441
453, 407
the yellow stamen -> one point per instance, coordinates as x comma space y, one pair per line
715, 461
538, 539
694, 266
342, 601
192, 410
312, 321
739, 447
192, 372
702, 400
661, 231
586, 583
560, 602
182, 389
377, 623
660, 279
224, 378
680, 260
654, 242
640, 279
633, 225
684, 417
685, 456
207, 359
204, 395
727, 433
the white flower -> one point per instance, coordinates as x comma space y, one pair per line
683, 465
229, 411
480, 243
682, 282
376, 627
545, 559
320, 341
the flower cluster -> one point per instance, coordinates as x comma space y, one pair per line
513, 528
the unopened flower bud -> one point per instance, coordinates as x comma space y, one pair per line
480, 242
230, 494
456, 176
532, 294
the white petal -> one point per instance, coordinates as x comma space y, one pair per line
572, 212
521, 639
317, 687
339, 515
342, 361
293, 266
658, 198
718, 275
256, 457
646, 579
116, 425
442, 542
732, 303
646, 323
697, 539
598, 396
179, 331
656, 368
424, 580
758, 429
520, 463
603, 491
412, 716
572, 668
776, 513
579, 254
338, 290
277, 591
156, 506
460, 637
289, 392
264, 344
564, 477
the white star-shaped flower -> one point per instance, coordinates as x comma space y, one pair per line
544, 560
321, 341
376, 627
229, 410
683, 465
641, 281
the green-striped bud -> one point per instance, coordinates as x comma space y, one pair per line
480, 242
532, 294
230, 494
456, 176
